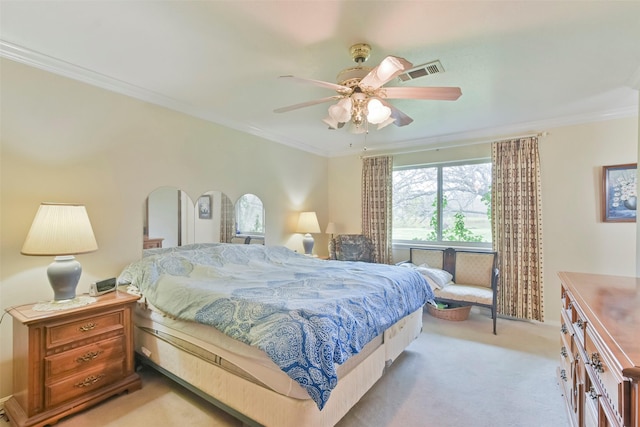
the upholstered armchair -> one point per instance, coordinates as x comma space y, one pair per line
352, 247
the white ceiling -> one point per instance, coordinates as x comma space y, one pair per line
523, 66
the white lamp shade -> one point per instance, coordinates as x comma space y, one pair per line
308, 223
60, 229
331, 228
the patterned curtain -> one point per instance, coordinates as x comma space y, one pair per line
227, 220
376, 205
517, 227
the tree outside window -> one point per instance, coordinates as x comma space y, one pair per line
443, 203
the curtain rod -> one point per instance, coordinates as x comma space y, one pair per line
541, 134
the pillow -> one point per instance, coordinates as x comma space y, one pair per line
406, 264
439, 278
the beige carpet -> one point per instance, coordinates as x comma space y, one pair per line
455, 374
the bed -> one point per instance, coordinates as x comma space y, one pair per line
273, 337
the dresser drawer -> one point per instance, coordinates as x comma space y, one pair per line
591, 410
65, 333
85, 357
85, 382
604, 374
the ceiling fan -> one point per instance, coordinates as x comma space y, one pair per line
362, 97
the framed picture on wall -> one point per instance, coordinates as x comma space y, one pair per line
204, 207
619, 193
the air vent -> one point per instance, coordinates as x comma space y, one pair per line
434, 67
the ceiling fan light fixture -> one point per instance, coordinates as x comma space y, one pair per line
386, 123
331, 122
376, 112
341, 111
357, 128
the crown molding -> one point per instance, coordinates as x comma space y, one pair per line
56, 66
495, 133
38, 60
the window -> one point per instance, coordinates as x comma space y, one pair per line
443, 203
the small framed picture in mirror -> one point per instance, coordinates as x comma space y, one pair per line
204, 207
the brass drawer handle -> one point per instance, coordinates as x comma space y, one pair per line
89, 381
580, 323
87, 327
596, 362
563, 375
89, 356
564, 329
563, 351
593, 393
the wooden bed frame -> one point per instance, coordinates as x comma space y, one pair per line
255, 404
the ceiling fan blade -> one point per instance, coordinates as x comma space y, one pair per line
389, 68
306, 104
400, 118
436, 93
343, 90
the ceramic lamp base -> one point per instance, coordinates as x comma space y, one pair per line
64, 274
307, 243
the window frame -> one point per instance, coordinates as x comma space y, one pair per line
440, 243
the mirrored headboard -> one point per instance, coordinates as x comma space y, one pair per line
172, 219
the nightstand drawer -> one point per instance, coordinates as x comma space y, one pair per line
87, 327
85, 382
85, 357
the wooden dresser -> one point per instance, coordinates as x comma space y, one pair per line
65, 361
148, 243
600, 349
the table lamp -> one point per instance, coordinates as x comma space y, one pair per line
61, 230
308, 223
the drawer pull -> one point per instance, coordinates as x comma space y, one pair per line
563, 352
89, 356
89, 381
596, 362
87, 327
570, 305
563, 375
564, 329
593, 393
580, 323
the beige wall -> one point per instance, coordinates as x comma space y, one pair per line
574, 237
64, 141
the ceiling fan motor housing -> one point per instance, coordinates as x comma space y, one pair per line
360, 52
350, 77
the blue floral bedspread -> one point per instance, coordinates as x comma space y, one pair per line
308, 315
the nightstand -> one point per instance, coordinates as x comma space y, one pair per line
65, 361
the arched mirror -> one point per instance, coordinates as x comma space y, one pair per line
172, 219
168, 219
250, 221
214, 220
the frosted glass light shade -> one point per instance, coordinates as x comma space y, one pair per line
341, 111
376, 112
